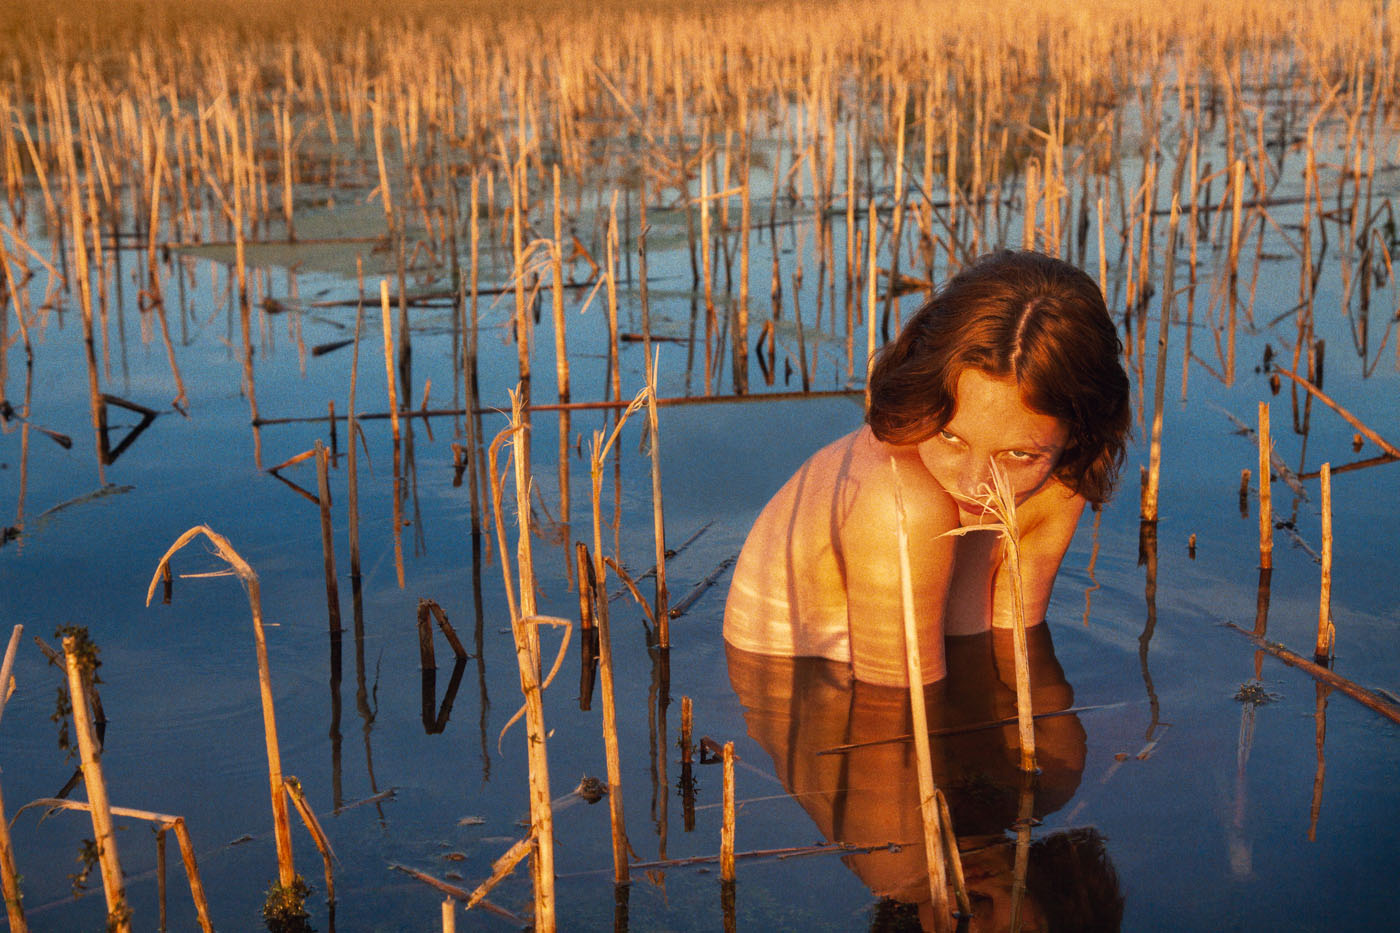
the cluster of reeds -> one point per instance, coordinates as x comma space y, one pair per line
207, 133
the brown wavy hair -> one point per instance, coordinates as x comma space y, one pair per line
1021, 315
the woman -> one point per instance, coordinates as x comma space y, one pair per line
1012, 365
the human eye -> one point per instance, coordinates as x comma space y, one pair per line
947, 435
1023, 456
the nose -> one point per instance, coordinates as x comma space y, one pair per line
976, 475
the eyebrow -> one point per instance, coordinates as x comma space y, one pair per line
1035, 446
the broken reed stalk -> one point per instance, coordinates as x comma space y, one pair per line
500, 868
427, 608
1266, 513
556, 268
611, 749
870, 296
705, 267
614, 370
1000, 500
687, 726
1233, 266
352, 471
897, 211
726, 832
528, 661
118, 912
313, 825
166, 822
1154, 470
599, 451
928, 791
523, 318
282, 827
9, 874
389, 356
1389, 448
323, 496
740, 339
397, 490
586, 587
662, 612
7, 668
950, 850
427, 659
1326, 633
1323, 674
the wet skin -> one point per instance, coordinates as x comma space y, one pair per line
817, 575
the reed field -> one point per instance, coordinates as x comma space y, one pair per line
470, 338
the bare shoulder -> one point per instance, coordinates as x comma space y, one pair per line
1049, 518
870, 489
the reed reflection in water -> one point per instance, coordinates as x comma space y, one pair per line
844, 751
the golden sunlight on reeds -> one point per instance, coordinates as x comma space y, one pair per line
475, 155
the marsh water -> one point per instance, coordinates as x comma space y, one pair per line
1218, 809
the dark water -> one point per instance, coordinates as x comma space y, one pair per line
1215, 813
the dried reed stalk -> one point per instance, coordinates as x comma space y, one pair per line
500, 868
429, 608
726, 832
318, 835
388, 336
528, 661
352, 470
1154, 470
739, 340
950, 851
1360, 694
323, 494
928, 791
1389, 448
389, 355
598, 452
524, 321
705, 266
118, 912
282, 828
662, 611
897, 210
614, 371
7, 668
166, 822
9, 875
556, 268
1000, 500
1266, 512
1233, 265
687, 725
611, 746
870, 295
1326, 632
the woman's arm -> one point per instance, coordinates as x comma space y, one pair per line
868, 545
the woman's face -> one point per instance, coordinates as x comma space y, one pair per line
991, 423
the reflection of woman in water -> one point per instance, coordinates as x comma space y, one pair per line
1014, 361
843, 750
